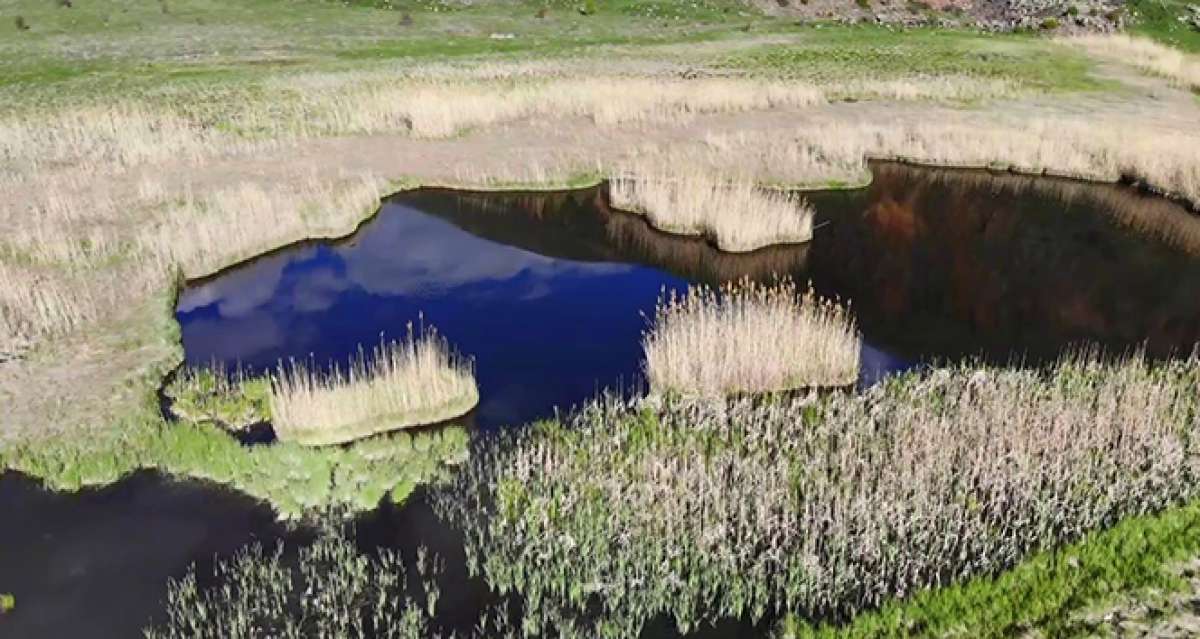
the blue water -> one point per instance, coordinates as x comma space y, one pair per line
543, 332
549, 293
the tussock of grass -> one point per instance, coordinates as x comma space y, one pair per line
412, 382
825, 507
749, 338
737, 216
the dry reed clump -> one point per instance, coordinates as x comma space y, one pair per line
201, 235
833, 150
68, 258
698, 260
749, 338
737, 216
1179, 68
412, 382
939, 88
107, 137
823, 507
442, 109
123, 135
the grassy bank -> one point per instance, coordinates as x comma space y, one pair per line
1047, 595
294, 479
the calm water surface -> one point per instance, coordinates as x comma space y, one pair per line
549, 294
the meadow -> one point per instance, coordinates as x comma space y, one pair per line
146, 143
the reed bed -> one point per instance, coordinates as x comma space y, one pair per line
200, 235
835, 150
433, 102
1181, 69
331, 590
67, 266
418, 380
735, 215
749, 338
821, 506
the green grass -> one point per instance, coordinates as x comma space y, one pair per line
294, 479
211, 396
223, 50
1046, 592
838, 53
1159, 20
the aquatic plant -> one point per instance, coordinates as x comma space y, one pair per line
333, 591
734, 214
415, 381
294, 479
822, 507
213, 395
749, 338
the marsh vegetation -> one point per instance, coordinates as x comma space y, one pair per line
145, 145
331, 591
822, 506
418, 380
736, 216
749, 338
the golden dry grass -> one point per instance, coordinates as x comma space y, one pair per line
832, 149
72, 260
1181, 69
431, 101
416, 381
736, 215
749, 338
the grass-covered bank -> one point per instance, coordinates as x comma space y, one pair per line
293, 478
823, 507
1046, 595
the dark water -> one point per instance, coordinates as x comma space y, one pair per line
547, 293
95, 563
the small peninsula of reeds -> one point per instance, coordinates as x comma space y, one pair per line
415, 381
749, 338
736, 215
